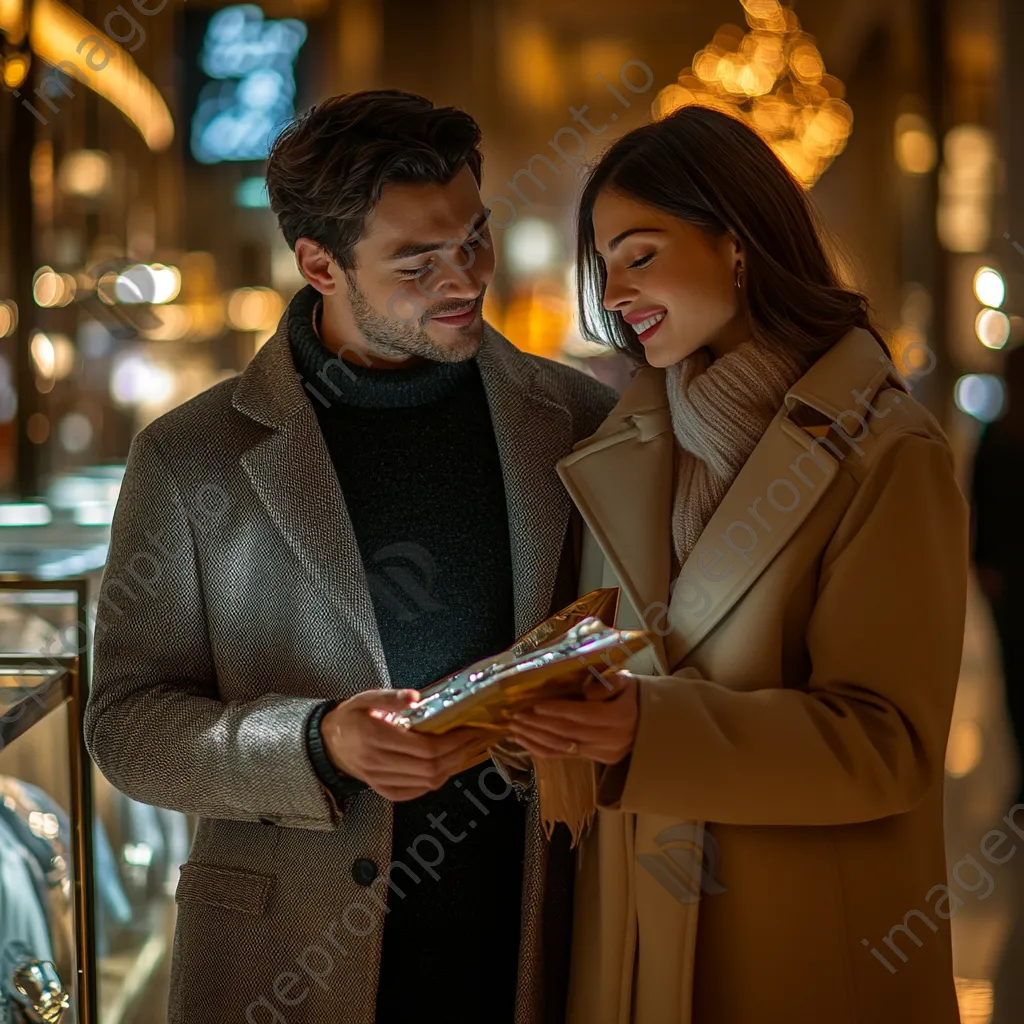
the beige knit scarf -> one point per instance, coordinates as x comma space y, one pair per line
720, 408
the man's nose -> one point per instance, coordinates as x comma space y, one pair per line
456, 276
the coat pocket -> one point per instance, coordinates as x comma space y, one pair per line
244, 891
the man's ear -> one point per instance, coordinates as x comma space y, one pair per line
317, 267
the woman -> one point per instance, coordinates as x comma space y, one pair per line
784, 518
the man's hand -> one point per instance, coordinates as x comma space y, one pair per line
397, 763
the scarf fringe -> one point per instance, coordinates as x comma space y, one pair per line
567, 792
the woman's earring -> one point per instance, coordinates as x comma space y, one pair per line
740, 275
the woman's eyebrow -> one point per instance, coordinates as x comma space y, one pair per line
622, 235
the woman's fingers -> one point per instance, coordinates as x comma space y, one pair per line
576, 712
557, 731
546, 746
607, 686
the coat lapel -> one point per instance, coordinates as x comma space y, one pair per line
709, 586
531, 430
734, 547
292, 474
621, 481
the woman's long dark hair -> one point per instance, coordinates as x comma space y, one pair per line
710, 169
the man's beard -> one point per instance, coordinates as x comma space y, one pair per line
399, 339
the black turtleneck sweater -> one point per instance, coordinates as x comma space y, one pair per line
418, 465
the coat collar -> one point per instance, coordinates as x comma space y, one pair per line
291, 472
621, 478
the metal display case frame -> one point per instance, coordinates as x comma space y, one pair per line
70, 688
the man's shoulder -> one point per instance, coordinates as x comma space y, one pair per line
588, 399
200, 425
568, 379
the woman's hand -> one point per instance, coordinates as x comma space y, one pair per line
602, 727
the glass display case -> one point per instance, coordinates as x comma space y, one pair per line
47, 914
87, 875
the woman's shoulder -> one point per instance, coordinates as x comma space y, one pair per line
871, 407
894, 426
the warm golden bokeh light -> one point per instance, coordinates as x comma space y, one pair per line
8, 317
85, 172
50, 289
16, 70
537, 318
254, 309
13, 20
175, 322
916, 150
773, 78
57, 34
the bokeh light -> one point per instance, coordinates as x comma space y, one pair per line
8, 317
980, 395
989, 287
916, 149
86, 172
254, 309
50, 289
153, 283
992, 327
771, 76
531, 246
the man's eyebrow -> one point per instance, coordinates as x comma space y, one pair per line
410, 249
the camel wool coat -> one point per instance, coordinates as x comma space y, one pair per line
772, 850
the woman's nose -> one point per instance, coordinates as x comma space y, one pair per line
617, 294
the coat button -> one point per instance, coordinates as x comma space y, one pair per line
364, 871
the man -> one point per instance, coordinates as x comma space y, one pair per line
371, 505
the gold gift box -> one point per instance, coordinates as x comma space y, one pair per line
553, 660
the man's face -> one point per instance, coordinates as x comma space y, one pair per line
421, 269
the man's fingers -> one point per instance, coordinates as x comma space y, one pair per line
398, 740
428, 748
398, 776
398, 794
460, 740
428, 762
387, 700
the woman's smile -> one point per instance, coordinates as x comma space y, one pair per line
646, 321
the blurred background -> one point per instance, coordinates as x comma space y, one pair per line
140, 264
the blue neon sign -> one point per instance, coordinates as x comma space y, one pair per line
252, 95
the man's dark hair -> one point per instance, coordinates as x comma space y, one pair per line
327, 169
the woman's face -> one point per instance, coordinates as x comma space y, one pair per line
672, 279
